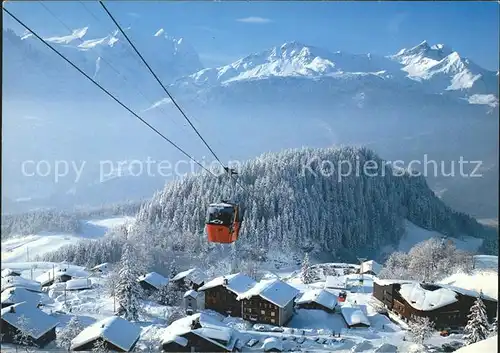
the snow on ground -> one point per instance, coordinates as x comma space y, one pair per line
24, 248
415, 234
487, 345
308, 330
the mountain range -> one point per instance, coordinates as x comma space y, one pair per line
426, 99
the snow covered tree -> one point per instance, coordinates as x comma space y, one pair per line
169, 295
421, 328
477, 325
70, 331
100, 346
128, 289
494, 327
24, 337
306, 274
175, 314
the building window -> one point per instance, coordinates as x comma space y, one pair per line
273, 313
263, 312
249, 310
273, 321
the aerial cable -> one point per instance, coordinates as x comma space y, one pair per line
123, 77
160, 83
106, 91
228, 170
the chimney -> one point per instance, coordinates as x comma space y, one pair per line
12, 309
225, 281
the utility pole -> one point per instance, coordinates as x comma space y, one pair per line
27, 254
361, 260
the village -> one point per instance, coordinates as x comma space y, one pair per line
332, 307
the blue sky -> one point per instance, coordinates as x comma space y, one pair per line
222, 32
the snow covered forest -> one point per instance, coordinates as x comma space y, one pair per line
61, 221
290, 209
285, 212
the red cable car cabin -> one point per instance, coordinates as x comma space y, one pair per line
223, 223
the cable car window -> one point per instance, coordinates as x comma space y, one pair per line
220, 215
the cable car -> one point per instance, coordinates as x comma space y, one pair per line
223, 222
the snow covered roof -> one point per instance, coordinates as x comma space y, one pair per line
56, 273
386, 282
38, 323
211, 330
271, 343
100, 267
154, 279
220, 205
181, 341
237, 283
319, 296
353, 315
425, 299
274, 290
10, 272
191, 293
116, 330
195, 275
335, 282
16, 295
488, 345
78, 284
18, 281
371, 265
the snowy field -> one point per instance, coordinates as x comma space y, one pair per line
24, 248
415, 234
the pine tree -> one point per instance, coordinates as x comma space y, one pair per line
70, 331
128, 289
421, 328
100, 346
306, 274
494, 327
477, 325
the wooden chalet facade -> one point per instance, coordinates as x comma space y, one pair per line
9, 333
222, 300
452, 315
258, 309
269, 302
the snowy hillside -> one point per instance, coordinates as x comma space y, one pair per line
312, 211
24, 248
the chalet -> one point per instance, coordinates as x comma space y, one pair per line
15, 295
115, 333
447, 306
317, 299
221, 293
78, 284
193, 301
269, 301
353, 316
370, 268
18, 281
62, 274
10, 272
198, 333
26, 318
152, 281
101, 268
193, 278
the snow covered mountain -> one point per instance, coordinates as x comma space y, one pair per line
445, 70
109, 59
438, 68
